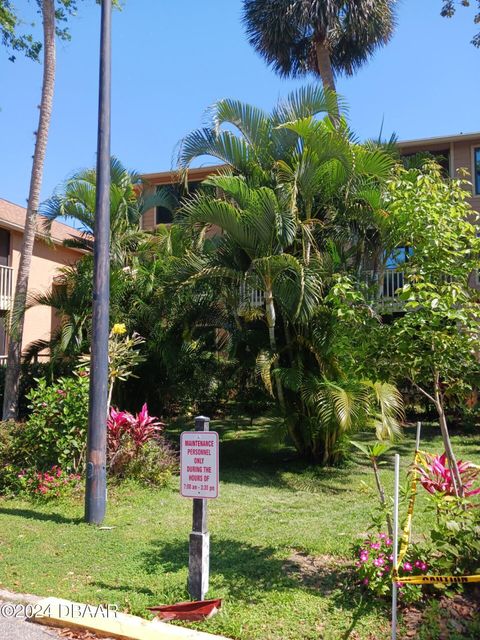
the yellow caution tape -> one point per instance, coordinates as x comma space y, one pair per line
405, 538
435, 579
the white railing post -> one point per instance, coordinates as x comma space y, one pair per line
6, 288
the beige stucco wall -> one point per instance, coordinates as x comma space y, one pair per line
462, 158
47, 259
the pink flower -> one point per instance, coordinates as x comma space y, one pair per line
407, 566
418, 564
379, 562
424, 566
375, 545
388, 542
382, 536
366, 581
390, 557
363, 554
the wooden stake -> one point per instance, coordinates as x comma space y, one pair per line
199, 548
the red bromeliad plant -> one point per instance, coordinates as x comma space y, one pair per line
135, 430
437, 477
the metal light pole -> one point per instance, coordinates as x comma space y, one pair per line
96, 483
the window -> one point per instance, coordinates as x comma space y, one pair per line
476, 169
163, 215
398, 256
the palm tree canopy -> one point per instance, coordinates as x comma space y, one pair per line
286, 32
129, 200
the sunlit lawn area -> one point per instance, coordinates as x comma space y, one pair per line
271, 511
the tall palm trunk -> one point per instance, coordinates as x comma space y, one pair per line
12, 378
325, 70
324, 65
271, 319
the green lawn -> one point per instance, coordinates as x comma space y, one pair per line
273, 517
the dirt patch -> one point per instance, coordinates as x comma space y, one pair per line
325, 573
443, 618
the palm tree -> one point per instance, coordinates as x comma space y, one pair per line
129, 200
12, 378
258, 227
298, 194
259, 139
325, 37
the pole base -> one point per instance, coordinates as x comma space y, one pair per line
198, 565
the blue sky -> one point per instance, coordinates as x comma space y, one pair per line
173, 58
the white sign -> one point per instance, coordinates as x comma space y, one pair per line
199, 464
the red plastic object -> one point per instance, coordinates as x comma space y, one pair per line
198, 610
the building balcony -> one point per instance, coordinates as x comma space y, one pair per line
6, 288
384, 290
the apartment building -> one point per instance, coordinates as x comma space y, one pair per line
49, 255
454, 153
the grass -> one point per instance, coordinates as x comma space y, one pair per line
271, 511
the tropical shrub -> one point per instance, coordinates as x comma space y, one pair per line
454, 538
136, 448
53, 483
374, 563
153, 464
55, 433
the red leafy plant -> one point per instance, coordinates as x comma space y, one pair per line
127, 434
436, 477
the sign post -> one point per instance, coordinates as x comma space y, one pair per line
199, 480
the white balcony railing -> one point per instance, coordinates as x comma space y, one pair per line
6, 288
384, 289
251, 297
3, 361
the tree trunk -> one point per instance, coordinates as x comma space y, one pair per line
452, 461
324, 65
381, 495
325, 70
12, 378
270, 313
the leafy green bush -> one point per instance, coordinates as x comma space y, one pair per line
46, 485
56, 430
153, 464
31, 372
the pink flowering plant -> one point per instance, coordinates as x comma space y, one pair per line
374, 565
45, 485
